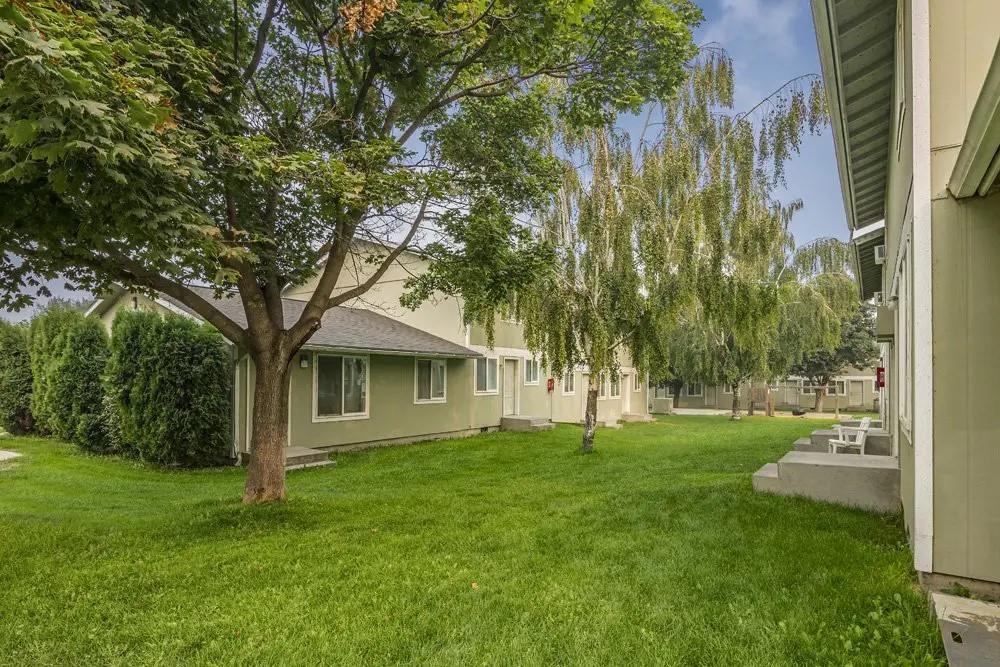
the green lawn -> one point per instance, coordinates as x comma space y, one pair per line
504, 548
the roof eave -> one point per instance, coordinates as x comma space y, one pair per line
314, 347
978, 161
823, 22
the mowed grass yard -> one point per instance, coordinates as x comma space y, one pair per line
499, 549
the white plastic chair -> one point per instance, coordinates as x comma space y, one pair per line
850, 437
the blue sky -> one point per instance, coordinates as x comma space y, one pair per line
770, 42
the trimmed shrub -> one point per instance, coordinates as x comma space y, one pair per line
15, 380
170, 380
44, 337
75, 383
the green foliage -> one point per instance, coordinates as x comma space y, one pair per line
169, 381
75, 369
45, 340
855, 347
15, 380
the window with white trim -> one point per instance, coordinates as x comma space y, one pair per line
486, 375
569, 383
602, 386
531, 371
616, 385
340, 386
636, 382
694, 389
903, 340
430, 380
727, 389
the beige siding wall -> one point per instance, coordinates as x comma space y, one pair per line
966, 271
129, 301
440, 315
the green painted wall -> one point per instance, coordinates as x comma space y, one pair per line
966, 371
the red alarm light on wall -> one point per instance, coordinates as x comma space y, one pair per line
880, 377
550, 384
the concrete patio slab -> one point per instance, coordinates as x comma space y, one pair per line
970, 630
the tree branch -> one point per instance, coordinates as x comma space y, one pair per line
261, 42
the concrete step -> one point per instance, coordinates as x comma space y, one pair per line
637, 418
869, 482
878, 442
806, 445
766, 479
875, 423
525, 424
301, 456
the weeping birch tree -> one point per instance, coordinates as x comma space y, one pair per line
642, 231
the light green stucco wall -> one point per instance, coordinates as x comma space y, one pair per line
966, 367
392, 412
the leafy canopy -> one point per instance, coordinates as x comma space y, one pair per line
246, 144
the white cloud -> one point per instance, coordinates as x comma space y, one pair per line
769, 24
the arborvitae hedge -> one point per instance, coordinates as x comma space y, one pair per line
169, 380
43, 338
75, 370
15, 380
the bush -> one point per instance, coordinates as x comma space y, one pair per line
15, 380
44, 336
170, 381
75, 383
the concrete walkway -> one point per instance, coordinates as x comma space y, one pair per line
7, 456
699, 411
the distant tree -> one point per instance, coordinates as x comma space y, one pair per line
640, 235
248, 144
15, 379
856, 347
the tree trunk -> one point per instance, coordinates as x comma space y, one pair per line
820, 393
750, 400
266, 473
590, 416
736, 402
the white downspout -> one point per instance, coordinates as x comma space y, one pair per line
923, 350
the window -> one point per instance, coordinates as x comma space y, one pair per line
636, 382
839, 388
531, 371
903, 340
430, 380
569, 383
340, 387
602, 386
727, 389
616, 385
694, 389
486, 376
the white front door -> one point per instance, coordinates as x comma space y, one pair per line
509, 387
626, 389
856, 393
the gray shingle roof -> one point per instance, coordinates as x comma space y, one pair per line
347, 328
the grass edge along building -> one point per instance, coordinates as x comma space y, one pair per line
914, 95
378, 373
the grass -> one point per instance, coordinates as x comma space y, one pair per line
500, 549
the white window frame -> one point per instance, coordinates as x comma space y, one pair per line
727, 389
531, 365
602, 387
344, 416
615, 380
701, 390
571, 376
475, 376
905, 344
636, 381
416, 380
